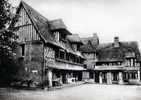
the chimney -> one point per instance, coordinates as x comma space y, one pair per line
94, 34
116, 41
95, 39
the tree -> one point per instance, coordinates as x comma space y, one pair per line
8, 66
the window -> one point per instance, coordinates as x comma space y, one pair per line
62, 36
62, 54
75, 47
57, 53
23, 49
72, 58
67, 56
130, 62
56, 35
78, 60
130, 54
133, 75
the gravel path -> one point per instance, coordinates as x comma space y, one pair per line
82, 92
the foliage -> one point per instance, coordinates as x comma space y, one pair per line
8, 65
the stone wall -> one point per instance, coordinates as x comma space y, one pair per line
32, 60
49, 57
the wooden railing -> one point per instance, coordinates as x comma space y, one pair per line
109, 67
130, 55
132, 68
118, 67
68, 66
69, 62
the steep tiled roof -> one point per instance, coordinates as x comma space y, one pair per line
74, 38
88, 47
107, 52
42, 24
94, 39
57, 24
67, 46
44, 27
90, 43
39, 21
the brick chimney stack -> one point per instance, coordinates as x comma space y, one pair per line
95, 39
116, 41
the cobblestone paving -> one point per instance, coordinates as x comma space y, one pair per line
82, 92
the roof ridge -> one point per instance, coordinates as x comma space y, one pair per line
39, 21
56, 19
24, 3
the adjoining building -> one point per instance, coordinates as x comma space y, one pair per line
109, 63
47, 50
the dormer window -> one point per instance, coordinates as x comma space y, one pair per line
59, 36
62, 37
74, 47
56, 35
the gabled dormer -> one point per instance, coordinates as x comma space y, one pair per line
75, 41
59, 30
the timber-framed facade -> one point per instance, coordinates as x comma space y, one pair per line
47, 49
51, 54
109, 63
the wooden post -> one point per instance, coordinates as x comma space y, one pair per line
100, 77
94, 76
130, 75
138, 75
127, 76
120, 75
49, 75
109, 78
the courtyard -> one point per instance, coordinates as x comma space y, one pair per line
82, 92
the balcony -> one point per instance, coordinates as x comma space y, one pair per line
130, 55
132, 68
68, 62
67, 65
118, 67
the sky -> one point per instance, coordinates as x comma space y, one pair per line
107, 18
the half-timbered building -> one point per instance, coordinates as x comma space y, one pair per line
116, 62
49, 52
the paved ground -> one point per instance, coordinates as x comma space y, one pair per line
82, 92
